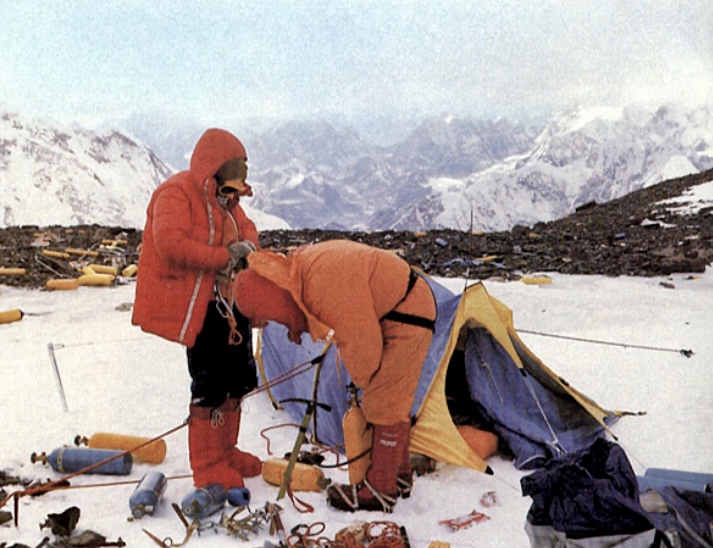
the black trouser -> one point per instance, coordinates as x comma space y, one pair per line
219, 369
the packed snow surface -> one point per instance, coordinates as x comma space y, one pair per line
118, 379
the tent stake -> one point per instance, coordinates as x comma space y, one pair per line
53, 359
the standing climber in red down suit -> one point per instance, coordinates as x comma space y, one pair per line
196, 236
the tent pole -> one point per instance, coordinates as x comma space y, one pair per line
57, 376
555, 439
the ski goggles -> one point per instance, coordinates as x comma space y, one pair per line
235, 187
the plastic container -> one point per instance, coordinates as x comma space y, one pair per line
147, 494
66, 460
205, 501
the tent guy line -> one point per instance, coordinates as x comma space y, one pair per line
684, 352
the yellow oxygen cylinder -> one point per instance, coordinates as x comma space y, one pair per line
536, 280
304, 477
7, 271
103, 269
55, 254
130, 271
10, 316
81, 252
71, 283
153, 453
357, 439
96, 279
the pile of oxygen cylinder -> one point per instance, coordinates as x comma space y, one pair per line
114, 454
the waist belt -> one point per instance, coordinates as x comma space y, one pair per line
409, 319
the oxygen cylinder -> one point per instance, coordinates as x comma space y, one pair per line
536, 280
694, 481
153, 453
130, 271
238, 496
203, 502
9, 271
71, 283
102, 269
304, 477
96, 280
66, 460
10, 316
357, 439
145, 497
81, 252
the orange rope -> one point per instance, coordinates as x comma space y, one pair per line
376, 534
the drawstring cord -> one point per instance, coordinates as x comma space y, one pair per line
223, 304
217, 418
225, 309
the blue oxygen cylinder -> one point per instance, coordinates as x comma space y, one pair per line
657, 478
66, 460
145, 497
238, 496
203, 502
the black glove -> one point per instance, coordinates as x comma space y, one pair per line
239, 252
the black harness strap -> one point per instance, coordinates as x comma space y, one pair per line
409, 319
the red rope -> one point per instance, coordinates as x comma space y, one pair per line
63, 482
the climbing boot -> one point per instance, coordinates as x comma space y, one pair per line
379, 491
246, 463
207, 454
404, 478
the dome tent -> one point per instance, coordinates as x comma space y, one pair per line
535, 412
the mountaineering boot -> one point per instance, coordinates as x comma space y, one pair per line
246, 463
404, 478
379, 490
207, 454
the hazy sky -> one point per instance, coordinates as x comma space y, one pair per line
218, 59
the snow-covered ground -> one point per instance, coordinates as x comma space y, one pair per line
118, 379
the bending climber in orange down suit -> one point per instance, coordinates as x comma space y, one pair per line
380, 314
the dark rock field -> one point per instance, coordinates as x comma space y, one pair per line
634, 235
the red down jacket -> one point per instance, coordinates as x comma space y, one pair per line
183, 244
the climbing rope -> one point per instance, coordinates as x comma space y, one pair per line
63, 482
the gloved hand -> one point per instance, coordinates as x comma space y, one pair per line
239, 252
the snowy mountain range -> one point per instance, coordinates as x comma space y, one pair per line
448, 173
70, 175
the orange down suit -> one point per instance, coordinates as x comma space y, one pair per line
347, 287
183, 245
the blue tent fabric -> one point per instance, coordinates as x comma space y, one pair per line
497, 387
541, 425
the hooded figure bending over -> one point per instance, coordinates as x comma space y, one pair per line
380, 314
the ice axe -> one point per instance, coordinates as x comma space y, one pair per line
301, 435
309, 414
